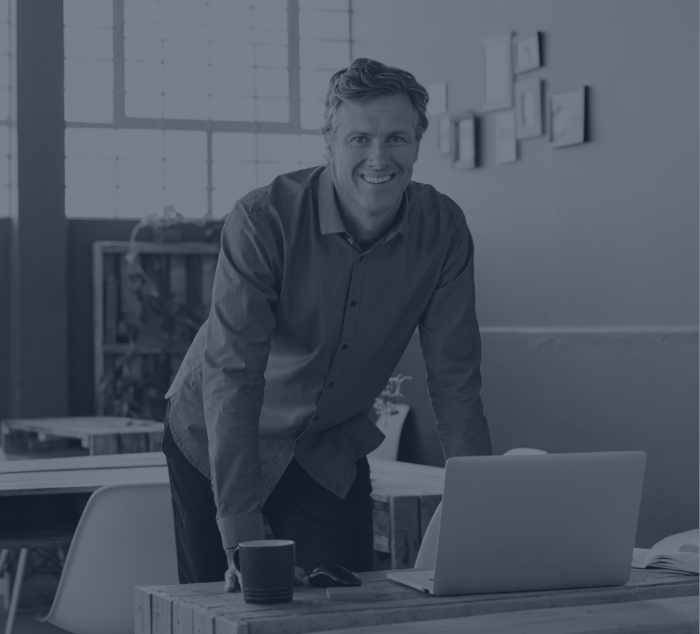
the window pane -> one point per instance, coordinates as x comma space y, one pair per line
311, 114
282, 148
88, 75
88, 43
87, 13
91, 202
311, 149
97, 172
324, 25
143, 50
185, 173
234, 175
186, 52
234, 146
185, 106
271, 82
188, 79
231, 80
322, 54
4, 104
185, 145
274, 110
314, 83
143, 77
232, 54
185, 14
238, 17
139, 172
328, 5
227, 108
88, 107
141, 11
139, 202
139, 104
4, 202
91, 143
190, 202
271, 56
140, 144
275, 19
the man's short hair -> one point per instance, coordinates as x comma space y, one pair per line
367, 79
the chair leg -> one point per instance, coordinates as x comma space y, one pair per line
14, 600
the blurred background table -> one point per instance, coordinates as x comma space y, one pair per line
92, 435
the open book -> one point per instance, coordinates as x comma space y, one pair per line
677, 552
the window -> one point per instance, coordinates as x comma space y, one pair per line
8, 107
193, 103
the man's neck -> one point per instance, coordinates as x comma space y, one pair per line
365, 231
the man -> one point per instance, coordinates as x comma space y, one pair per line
322, 278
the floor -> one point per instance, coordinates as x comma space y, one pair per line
25, 623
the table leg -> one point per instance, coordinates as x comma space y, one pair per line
16, 587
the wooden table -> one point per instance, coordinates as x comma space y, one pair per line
206, 608
98, 434
405, 495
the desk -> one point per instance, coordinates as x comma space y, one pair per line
98, 434
405, 495
207, 608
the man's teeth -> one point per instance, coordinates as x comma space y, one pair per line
375, 181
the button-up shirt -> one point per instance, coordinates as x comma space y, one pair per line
304, 331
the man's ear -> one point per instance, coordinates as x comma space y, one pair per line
327, 147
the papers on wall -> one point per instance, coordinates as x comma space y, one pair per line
498, 72
437, 102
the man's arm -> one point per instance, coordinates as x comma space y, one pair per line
236, 350
451, 344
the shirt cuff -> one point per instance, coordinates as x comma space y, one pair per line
235, 529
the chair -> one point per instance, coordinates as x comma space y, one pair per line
125, 538
428, 547
391, 427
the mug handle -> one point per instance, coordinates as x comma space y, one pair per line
237, 560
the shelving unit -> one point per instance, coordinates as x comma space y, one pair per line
149, 300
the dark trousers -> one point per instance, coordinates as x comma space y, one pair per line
325, 528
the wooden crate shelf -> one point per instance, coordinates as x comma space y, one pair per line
149, 300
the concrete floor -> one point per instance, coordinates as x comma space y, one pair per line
25, 623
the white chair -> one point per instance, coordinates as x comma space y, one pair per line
391, 427
125, 538
428, 547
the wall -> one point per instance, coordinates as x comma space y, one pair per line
4, 318
587, 256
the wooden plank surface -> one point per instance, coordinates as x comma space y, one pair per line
679, 616
311, 611
73, 463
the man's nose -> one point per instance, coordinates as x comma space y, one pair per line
377, 155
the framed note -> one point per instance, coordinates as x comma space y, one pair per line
528, 108
498, 73
437, 99
505, 142
526, 52
567, 118
465, 157
445, 141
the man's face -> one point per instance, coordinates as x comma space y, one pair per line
372, 153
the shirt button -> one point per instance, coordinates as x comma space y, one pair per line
331, 384
345, 346
353, 303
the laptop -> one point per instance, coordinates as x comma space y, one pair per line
535, 522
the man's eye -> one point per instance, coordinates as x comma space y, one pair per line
359, 139
397, 139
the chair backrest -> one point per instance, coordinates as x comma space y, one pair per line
428, 546
125, 538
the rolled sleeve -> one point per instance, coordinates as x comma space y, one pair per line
451, 345
236, 350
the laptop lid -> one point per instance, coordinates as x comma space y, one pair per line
518, 523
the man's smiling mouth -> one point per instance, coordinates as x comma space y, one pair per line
376, 180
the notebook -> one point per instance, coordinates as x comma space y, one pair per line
535, 522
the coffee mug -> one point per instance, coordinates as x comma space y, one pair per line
267, 570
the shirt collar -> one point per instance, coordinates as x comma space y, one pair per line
332, 221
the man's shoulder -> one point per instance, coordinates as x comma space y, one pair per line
434, 202
281, 191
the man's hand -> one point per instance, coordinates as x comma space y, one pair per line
233, 580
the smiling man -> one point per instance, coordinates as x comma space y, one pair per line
322, 279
